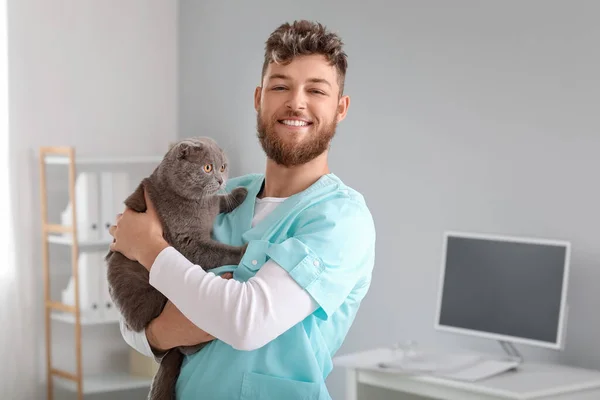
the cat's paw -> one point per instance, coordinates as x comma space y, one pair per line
239, 194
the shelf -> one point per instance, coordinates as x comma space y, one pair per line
85, 320
60, 315
60, 307
105, 383
64, 160
67, 240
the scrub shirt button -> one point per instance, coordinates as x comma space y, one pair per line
254, 262
316, 263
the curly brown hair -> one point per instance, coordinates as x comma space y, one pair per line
305, 38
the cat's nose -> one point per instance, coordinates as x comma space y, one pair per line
220, 180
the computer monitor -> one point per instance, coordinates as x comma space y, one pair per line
511, 289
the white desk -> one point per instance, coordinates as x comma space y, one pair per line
531, 381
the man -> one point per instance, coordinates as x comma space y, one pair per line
310, 252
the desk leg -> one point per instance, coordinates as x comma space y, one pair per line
351, 384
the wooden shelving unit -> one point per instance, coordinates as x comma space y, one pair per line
71, 314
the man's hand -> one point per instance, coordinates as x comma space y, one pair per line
138, 236
171, 328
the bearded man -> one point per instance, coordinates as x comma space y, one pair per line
279, 317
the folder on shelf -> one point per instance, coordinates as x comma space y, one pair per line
89, 287
87, 198
66, 217
108, 309
68, 293
95, 302
114, 189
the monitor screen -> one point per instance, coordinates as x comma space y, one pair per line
505, 288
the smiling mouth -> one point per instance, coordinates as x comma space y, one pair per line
294, 123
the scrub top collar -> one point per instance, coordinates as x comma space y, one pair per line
246, 209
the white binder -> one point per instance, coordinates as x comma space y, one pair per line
66, 217
90, 286
108, 309
95, 303
88, 214
114, 189
68, 294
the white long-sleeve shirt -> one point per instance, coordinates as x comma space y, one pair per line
245, 315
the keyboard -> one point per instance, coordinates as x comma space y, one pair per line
482, 369
464, 367
432, 362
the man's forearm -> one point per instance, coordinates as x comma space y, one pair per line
171, 329
154, 338
245, 315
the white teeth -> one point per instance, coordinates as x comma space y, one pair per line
294, 122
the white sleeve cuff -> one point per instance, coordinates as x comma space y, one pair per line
136, 340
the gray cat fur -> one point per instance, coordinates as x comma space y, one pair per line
186, 200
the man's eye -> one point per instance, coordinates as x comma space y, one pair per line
278, 88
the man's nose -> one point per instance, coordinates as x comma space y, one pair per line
297, 100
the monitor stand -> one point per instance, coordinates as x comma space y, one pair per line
511, 350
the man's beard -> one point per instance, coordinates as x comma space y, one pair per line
293, 154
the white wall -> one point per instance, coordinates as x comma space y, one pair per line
465, 115
97, 75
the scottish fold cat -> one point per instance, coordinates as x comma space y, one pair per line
184, 189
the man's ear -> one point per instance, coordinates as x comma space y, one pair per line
257, 97
342, 108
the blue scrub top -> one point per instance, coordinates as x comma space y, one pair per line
325, 238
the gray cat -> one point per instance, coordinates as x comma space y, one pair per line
183, 189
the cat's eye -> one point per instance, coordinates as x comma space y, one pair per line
208, 168
223, 168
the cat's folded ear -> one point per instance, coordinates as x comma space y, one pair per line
182, 150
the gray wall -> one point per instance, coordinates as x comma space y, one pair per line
465, 115
104, 80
